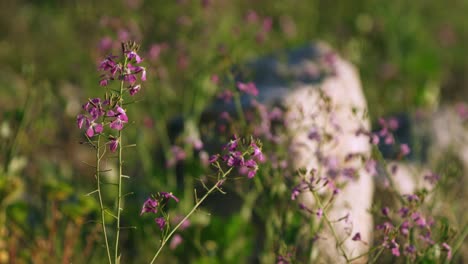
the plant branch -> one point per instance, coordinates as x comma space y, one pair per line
98, 179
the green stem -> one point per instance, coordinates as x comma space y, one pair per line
457, 244
327, 220
101, 205
119, 201
240, 111
363, 254
382, 161
377, 256
119, 184
12, 148
215, 187
164, 241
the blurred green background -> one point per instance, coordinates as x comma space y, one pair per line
410, 54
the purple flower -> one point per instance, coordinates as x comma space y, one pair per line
302, 206
213, 158
156, 50
385, 211
226, 96
94, 108
389, 139
349, 173
131, 72
267, 23
111, 67
133, 55
404, 149
412, 197
251, 16
427, 238
94, 128
105, 43
282, 260
276, 114
371, 167
232, 145
113, 144
81, 120
178, 218
448, 249
410, 249
295, 193
234, 159
214, 79
319, 213
252, 168
393, 123
176, 241
396, 251
356, 237
167, 195
314, 134
108, 64
248, 88
403, 212
395, 248
375, 139
104, 82
404, 228
178, 154
120, 118
462, 110
432, 178
257, 153
134, 89
419, 220
149, 206
130, 78
386, 227
161, 222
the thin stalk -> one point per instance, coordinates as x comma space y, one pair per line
381, 159
164, 241
376, 257
119, 184
12, 148
199, 202
240, 111
363, 254
457, 244
98, 178
119, 200
327, 220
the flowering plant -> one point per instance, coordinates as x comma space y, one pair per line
109, 112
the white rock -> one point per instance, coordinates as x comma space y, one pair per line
347, 115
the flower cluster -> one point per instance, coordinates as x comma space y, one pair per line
409, 227
311, 183
248, 88
262, 25
158, 201
98, 114
243, 156
126, 71
109, 111
90, 121
385, 136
